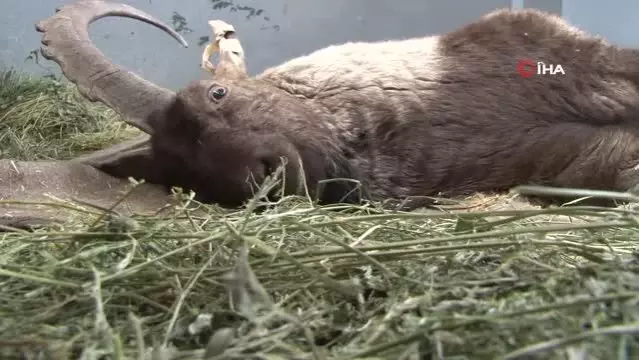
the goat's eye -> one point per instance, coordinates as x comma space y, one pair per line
217, 92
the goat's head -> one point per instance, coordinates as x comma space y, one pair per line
218, 137
222, 137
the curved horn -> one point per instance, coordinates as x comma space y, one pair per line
66, 41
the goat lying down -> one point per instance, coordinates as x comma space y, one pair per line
445, 114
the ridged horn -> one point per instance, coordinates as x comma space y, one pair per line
66, 41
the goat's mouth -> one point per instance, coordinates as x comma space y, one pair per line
279, 176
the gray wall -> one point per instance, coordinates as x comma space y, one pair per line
616, 20
552, 6
285, 28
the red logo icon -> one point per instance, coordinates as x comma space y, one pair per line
526, 68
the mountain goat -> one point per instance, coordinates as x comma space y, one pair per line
447, 114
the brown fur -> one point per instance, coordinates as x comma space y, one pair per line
444, 114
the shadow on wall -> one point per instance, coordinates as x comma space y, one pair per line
271, 31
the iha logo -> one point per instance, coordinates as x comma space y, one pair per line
527, 68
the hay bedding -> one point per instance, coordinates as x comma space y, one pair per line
490, 277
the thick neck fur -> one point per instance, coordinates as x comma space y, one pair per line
365, 101
451, 111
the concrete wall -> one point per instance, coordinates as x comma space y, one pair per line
552, 6
616, 20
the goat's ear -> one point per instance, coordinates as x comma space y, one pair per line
232, 63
